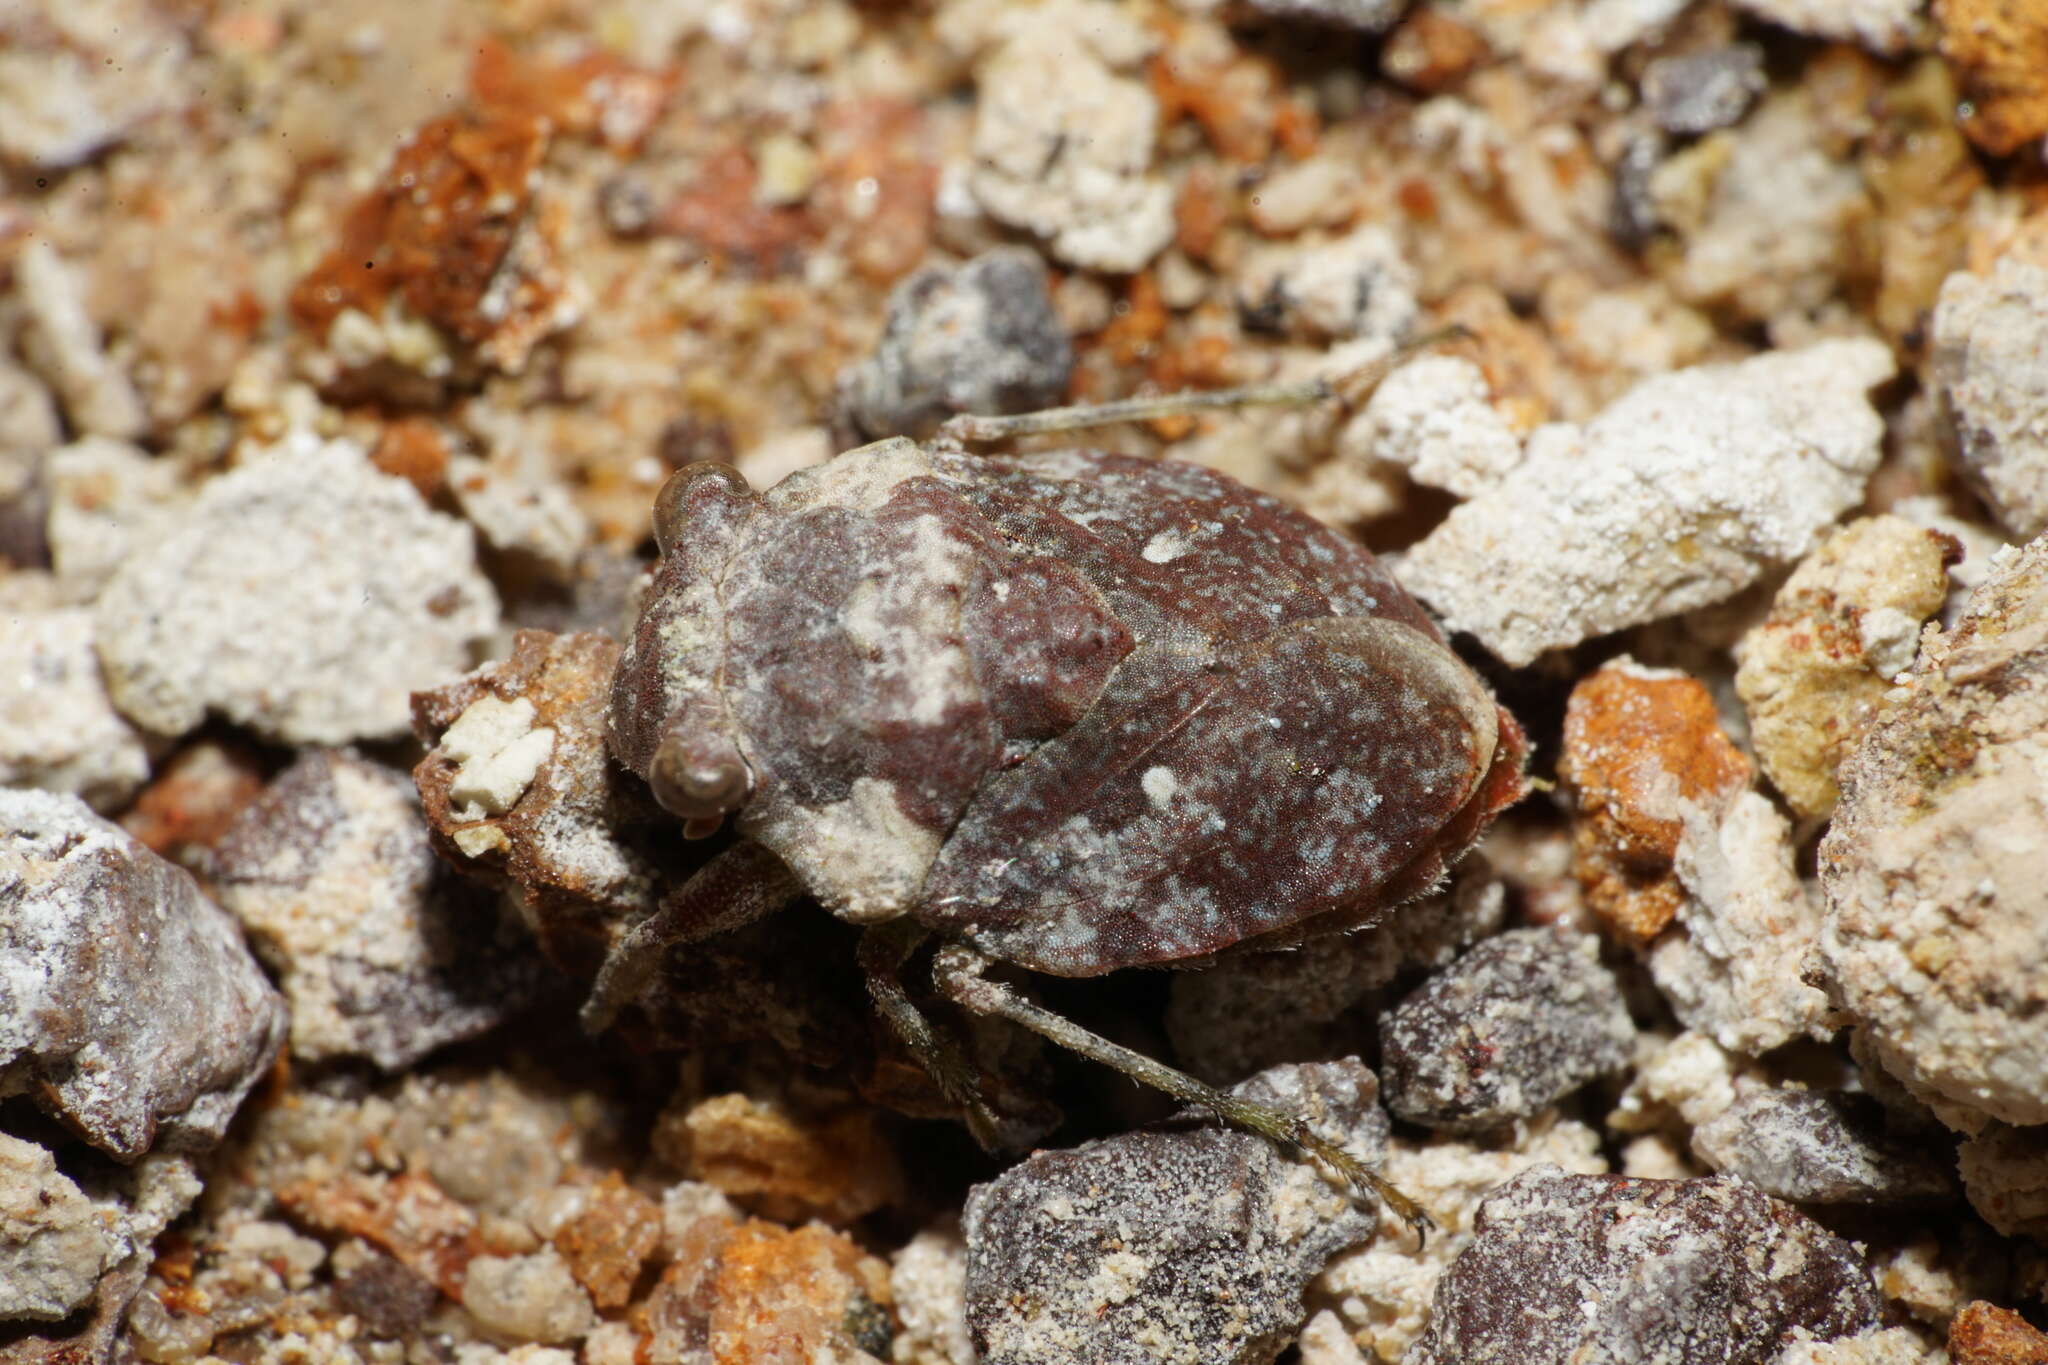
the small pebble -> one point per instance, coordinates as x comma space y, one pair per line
1595, 1269
1815, 1147
979, 338
1989, 336
1507, 1030
1187, 1242
135, 1014
1702, 91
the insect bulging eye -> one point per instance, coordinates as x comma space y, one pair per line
671, 503
699, 778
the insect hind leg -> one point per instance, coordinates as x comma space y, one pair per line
960, 970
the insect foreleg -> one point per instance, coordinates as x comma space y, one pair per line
739, 886
959, 973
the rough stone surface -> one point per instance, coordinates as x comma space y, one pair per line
1935, 938
2005, 1174
1609, 1269
1255, 1010
532, 517
579, 844
1355, 286
382, 952
58, 731
304, 595
1989, 335
979, 338
2000, 49
1843, 626
1646, 759
54, 1244
1063, 147
1734, 964
1434, 417
755, 1291
528, 1298
1359, 16
1676, 496
928, 1280
1880, 25
65, 346
1878, 1346
1190, 1243
1511, 1027
1702, 91
106, 499
1382, 1290
1816, 1147
133, 1009
1985, 1334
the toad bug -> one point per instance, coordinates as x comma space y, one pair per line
1072, 711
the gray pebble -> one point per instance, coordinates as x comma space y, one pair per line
1816, 1147
979, 338
1185, 1242
1520, 1021
1702, 91
133, 1011
1603, 1269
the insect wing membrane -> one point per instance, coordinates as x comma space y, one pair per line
1207, 800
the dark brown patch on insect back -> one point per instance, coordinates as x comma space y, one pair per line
1212, 797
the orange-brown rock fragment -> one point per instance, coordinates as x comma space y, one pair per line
610, 1240
836, 1166
407, 1215
1985, 1334
757, 1294
453, 237
1642, 748
2000, 47
194, 799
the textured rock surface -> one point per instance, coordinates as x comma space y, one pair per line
54, 1244
1255, 1010
1434, 417
1646, 758
1382, 1290
1514, 1025
106, 499
1985, 1334
1189, 1243
58, 731
1355, 286
579, 844
1815, 1147
1733, 966
1063, 145
1702, 91
1989, 335
1936, 930
1608, 1269
134, 1009
1881, 25
1843, 626
383, 952
2005, 1174
1677, 496
305, 595
979, 338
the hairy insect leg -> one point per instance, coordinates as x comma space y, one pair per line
969, 428
884, 949
739, 886
959, 971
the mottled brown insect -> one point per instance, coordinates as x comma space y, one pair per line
1072, 711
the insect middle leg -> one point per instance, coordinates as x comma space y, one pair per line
959, 971
884, 949
739, 886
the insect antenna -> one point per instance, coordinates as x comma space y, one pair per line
967, 428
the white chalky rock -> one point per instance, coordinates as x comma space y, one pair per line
1678, 495
1880, 25
306, 596
1435, 418
1989, 337
1063, 147
58, 731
